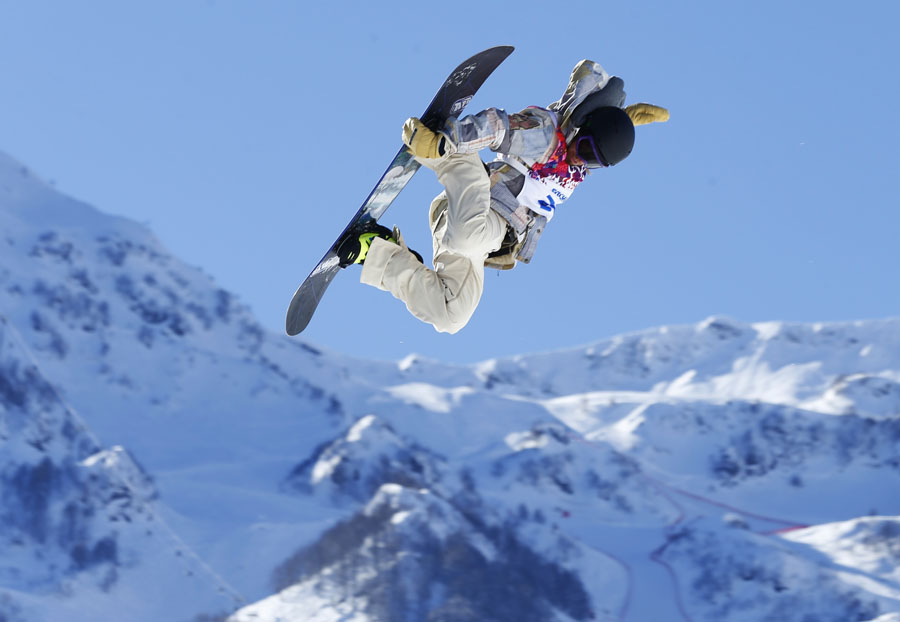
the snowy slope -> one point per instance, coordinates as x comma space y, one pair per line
720, 471
80, 531
160, 361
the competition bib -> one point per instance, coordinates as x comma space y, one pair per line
543, 195
539, 194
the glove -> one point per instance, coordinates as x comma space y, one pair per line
422, 142
641, 114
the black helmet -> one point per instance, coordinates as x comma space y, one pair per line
605, 138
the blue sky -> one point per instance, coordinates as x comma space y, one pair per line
246, 134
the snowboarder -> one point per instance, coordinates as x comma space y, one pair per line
492, 215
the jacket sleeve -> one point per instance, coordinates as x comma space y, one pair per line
472, 133
529, 135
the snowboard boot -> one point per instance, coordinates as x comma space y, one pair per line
354, 248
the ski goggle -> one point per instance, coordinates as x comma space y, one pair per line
587, 150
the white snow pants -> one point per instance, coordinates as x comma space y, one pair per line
464, 229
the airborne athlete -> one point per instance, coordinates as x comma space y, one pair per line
493, 215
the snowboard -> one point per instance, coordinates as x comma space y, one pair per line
457, 90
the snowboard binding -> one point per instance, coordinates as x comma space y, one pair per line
355, 245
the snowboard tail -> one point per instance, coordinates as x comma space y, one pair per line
450, 100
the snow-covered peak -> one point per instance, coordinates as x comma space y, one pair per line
31, 204
125, 329
551, 469
730, 573
780, 362
411, 554
357, 463
128, 472
870, 544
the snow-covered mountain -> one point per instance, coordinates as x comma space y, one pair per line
80, 531
163, 454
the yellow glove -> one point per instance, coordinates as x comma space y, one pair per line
422, 142
641, 114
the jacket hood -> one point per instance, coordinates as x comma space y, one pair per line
589, 88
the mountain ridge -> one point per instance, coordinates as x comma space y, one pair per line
582, 472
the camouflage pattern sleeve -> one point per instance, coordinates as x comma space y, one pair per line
472, 133
519, 121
